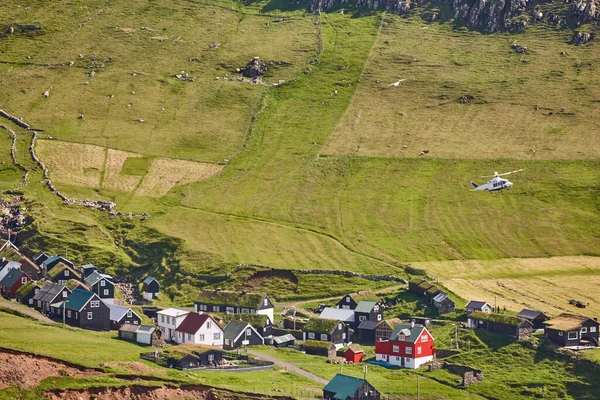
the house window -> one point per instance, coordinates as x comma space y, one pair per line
572, 335
592, 329
69, 313
378, 317
230, 310
395, 349
238, 310
345, 307
106, 292
66, 272
347, 299
201, 338
189, 337
217, 336
265, 302
362, 318
30, 301
61, 281
102, 283
248, 332
480, 322
424, 338
95, 303
419, 350
226, 342
245, 311
344, 335
339, 327
211, 357
135, 322
408, 350
401, 338
65, 294
252, 311
208, 325
583, 329
311, 335
560, 334
376, 308
89, 315
323, 336
129, 314
216, 308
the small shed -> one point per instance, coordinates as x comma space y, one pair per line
537, 318
147, 334
128, 332
150, 288
284, 341
353, 354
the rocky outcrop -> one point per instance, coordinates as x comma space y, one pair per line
586, 10
491, 16
255, 68
581, 38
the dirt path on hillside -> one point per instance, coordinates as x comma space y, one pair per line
25, 310
288, 366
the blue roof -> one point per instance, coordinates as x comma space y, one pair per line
118, 312
50, 260
12, 276
343, 386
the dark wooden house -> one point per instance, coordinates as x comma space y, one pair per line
198, 356
88, 269
47, 263
344, 387
26, 293
443, 303
220, 301
284, 340
499, 323
336, 332
102, 285
120, 316
347, 303
536, 318
49, 294
240, 333
86, 310
150, 288
12, 282
384, 328
367, 315
62, 273
571, 330
479, 306
260, 322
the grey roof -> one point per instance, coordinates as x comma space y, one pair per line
337, 314
49, 291
149, 280
118, 312
368, 325
441, 296
129, 328
234, 329
529, 314
11, 265
96, 277
145, 329
285, 338
365, 306
89, 266
476, 305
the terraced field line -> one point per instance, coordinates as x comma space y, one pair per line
288, 366
24, 310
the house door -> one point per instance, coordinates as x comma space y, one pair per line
402, 362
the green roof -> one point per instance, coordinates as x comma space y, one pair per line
233, 329
319, 325
365, 306
73, 283
317, 344
78, 299
343, 386
238, 299
500, 318
25, 289
60, 267
411, 333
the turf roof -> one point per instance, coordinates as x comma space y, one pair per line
237, 299
499, 318
25, 289
320, 325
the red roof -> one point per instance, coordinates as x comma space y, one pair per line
193, 322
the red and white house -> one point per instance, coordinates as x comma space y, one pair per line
199, 329
409, 346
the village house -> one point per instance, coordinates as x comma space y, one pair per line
102, 285
239, 333
49, 294
286, 340
516, 327
120, 316
347, 303
443, 303
25, 293
440, 299
344, 387
536, 318
409, 346
168, 320
198, 356
353, 354
47, 263
425, 321
220, 301
339, 314
327, 330
85, 310
6, 266
260, 322
351, 300
62, 273
143, 334
367, 315
384, 328
199, 329
150, 288
569, 330
88, 269
12, 282
481, 306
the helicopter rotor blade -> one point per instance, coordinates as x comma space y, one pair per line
511, 172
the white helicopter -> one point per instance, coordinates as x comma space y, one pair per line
495, 184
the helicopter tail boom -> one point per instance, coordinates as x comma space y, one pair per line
474, 185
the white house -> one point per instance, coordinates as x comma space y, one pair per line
475, 305
199, 329
168, 320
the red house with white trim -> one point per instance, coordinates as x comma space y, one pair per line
409, 346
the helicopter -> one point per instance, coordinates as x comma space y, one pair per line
495, 184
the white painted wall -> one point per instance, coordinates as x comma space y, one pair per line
205, 335
168, 324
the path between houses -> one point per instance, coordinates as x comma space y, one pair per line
288, 366
24, 310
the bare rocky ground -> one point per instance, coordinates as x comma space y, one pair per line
136, 393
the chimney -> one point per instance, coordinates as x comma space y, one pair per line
412, 324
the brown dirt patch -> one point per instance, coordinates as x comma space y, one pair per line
28, 371
136, 368
127, 30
